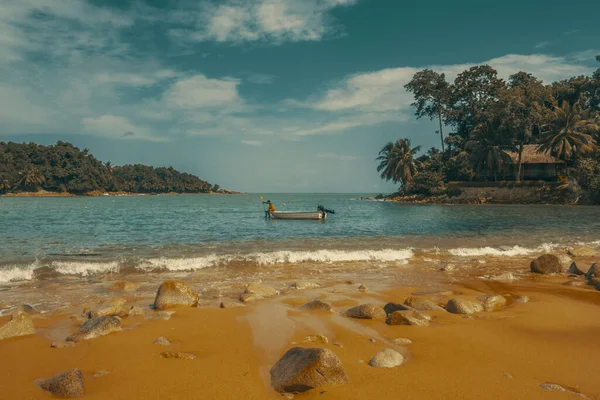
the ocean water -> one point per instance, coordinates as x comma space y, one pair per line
42, 238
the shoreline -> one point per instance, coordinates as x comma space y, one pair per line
43, 193
512, 350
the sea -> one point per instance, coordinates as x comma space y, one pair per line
221, 242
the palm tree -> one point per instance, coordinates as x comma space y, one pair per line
31, 178
397, 163
569, 134
488, 152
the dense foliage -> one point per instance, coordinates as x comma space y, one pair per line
492, 122
28, 167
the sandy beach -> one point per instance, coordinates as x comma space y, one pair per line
515, 351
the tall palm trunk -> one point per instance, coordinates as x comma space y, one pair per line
520, 161
441, 130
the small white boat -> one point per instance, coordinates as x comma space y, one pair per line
307, 215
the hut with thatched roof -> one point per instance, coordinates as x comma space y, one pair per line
535, 166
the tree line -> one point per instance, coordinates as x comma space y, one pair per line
488, 118
64, 168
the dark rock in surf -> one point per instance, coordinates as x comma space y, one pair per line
546, 264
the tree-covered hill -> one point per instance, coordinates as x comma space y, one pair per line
63, 168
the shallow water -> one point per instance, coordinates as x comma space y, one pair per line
42, 238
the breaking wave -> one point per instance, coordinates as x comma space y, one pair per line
502, 251
86, 269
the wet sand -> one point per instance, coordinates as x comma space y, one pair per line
503, 354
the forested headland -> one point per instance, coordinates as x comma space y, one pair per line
498, 132
65, 169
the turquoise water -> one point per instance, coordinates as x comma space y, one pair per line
216, 229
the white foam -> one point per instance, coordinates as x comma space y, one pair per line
85, 268
14, 274
501, 252
276, 258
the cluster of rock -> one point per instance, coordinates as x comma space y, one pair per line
552, 264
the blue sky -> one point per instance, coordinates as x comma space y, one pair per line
262, 95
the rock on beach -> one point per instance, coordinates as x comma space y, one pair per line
96, 327
546, 264
301, 369
316, 305
366, 311
461, 306
67, 384
386, 358
20, 324
175, 293
419, 303
256, 291
408, 317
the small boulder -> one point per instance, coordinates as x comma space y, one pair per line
575, 270
386, 358
402, 341
177, 355
316, 305
366, 311
175, 293
123, 286
20, 324
115, 309
316, 339
597, 287
231, 304
409, 317
566, 262
393, 307
67, 384
461, 306
492, 301
593, 272
363, 288
163, 341
301, 369
255, 291
96, 327
582, 252
419, 303
546, 264
522, 299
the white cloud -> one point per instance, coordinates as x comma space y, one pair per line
252, 142
115, 126
201, 92
383, 91
338, 157
541, 45
265, 20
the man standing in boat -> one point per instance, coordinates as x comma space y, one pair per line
271, 207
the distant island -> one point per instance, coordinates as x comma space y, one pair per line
65, 170
516, 141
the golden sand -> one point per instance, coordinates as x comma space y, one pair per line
504, 354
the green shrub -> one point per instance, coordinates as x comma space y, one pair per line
426, 183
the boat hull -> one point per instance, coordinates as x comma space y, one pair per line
302, 215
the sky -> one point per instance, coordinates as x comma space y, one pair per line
262, 95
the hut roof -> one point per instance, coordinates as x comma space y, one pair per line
532, 156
